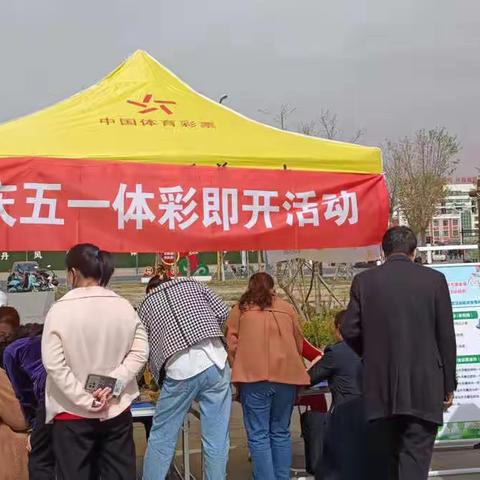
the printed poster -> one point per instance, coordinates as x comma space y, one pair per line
462, 421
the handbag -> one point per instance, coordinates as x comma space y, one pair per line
314, 427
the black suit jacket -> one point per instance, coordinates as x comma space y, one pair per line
342, 367
400, 321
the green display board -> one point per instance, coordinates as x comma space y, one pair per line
462, 421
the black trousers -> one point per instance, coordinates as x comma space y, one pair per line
400, 448
91, 449
345, 452
41, 461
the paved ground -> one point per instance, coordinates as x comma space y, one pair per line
454, 459
127, 284
239, 466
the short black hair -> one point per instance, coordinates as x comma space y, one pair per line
399, 240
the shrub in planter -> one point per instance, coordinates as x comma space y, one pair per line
320, 330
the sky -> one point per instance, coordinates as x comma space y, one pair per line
386, 67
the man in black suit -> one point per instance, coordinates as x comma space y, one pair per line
400, 322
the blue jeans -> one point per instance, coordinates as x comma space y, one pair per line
267, 409
211, 389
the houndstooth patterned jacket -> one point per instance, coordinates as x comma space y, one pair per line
177, 315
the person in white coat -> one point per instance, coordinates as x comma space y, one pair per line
92, 330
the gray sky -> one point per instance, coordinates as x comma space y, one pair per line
389, 67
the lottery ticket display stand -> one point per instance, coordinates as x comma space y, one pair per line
141, 162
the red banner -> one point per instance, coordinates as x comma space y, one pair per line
52, 204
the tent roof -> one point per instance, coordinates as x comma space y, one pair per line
141, 112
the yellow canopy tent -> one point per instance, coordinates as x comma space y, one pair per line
89, 125
70, 166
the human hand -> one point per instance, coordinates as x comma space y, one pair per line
314, 361
448, 401
29, 444
101, 398
102, 393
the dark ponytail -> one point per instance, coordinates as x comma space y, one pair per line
107, 267
91, 262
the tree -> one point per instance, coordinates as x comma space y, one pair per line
417, 172
293, 284
281, 117
329, 127
393, 176
326, 126
308, 128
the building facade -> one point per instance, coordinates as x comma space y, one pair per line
456, 218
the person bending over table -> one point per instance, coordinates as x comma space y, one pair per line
265, 344
184, 320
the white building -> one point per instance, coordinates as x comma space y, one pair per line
456, 219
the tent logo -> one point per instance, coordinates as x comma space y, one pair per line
150, 105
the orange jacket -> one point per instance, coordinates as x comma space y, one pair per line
13, 436
266, 345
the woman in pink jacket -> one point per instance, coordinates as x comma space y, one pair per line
92, 330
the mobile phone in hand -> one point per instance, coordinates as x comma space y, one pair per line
95, 382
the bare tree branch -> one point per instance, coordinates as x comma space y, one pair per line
329, 127
308, 128
393, 172
328, 124
282, 117
357, 136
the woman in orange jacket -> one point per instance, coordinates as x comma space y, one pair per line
265, 345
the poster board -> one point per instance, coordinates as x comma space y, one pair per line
462, 421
